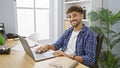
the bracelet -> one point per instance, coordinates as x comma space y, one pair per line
74, 57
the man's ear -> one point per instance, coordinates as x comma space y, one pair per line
82, 15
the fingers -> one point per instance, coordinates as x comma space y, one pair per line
38, 50
58, 53
41, 49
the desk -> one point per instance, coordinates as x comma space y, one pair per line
19, 59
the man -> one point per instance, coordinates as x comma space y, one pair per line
78, 42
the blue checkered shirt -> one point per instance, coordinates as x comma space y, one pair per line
85, 44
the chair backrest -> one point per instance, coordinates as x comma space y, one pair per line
98, 49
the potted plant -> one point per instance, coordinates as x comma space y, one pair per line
2, 39
106, 19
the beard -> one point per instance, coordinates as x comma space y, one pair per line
75, 23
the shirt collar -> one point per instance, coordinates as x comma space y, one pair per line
83, 29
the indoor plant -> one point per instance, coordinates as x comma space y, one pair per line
106, 19
2, 39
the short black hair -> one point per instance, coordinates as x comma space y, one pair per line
75, 8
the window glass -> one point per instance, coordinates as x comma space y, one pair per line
42, 3
25, 3
25, 21
33, 16
42, 23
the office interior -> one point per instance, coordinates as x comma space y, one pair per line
8, 16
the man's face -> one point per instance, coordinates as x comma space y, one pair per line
75, 18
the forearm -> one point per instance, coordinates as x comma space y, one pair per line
51, 47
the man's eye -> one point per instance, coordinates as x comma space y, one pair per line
68, 17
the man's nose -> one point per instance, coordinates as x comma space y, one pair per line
71, 18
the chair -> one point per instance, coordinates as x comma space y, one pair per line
98, 49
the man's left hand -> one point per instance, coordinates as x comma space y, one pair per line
59, 53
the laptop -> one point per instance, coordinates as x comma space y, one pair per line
31, 51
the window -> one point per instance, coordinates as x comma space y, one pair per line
34, 16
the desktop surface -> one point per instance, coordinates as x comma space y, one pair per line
19, 59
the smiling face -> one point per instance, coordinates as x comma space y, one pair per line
75, 18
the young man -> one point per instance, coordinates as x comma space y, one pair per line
78, 42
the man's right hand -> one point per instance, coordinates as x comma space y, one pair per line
42, 49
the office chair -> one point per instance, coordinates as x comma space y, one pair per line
98, 49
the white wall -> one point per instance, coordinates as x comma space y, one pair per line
112, 5
7, 15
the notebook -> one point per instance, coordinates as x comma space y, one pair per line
31, 51
64, 62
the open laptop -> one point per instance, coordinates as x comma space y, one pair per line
31, 51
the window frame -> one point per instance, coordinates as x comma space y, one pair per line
51, 21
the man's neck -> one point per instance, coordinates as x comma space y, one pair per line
78, 28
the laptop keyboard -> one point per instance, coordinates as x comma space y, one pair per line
45, 55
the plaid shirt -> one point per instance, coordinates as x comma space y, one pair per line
85, 44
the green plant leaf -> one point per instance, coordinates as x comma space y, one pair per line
115, 42
93, 16
107, 40
115, 18
2, 39
116, 35
111, 38
96, 29
112, 31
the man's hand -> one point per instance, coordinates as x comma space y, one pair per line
59, 53
42, 49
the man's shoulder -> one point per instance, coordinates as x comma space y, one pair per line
88, 30
69, 30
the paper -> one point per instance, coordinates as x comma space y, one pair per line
35, 37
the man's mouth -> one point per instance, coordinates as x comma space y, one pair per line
73, 22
